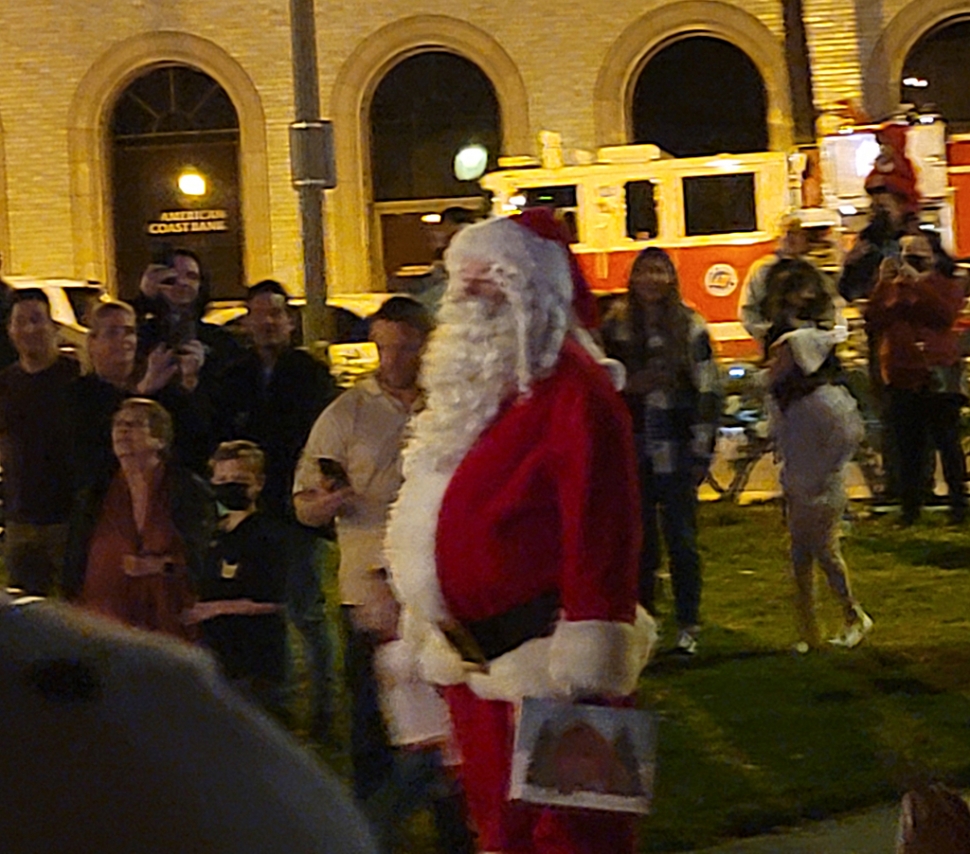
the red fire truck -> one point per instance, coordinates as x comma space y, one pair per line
717, 215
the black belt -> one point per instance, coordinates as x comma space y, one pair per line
482, 640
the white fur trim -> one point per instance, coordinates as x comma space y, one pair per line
410, 544
581, 657
599, 657
523, 672
440, 662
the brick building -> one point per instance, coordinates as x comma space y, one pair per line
569, 67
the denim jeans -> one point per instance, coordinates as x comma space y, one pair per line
417, 780
370, 751
305, 608
669, 505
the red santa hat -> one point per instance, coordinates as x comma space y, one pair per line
893, 171
543, 283
542, 221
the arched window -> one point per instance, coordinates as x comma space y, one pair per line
175, 176
700, 95
936, 73
425, 109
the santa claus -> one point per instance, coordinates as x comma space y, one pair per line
514, 542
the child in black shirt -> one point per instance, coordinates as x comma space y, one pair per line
243, 586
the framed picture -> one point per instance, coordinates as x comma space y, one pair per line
588, 757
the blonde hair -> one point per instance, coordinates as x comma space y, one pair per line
241, 449
102, 309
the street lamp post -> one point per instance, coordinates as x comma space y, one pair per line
799, 72
309, 138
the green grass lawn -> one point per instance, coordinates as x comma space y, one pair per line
754, 736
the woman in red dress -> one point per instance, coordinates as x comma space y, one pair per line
138, 536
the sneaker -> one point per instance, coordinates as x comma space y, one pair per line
686, 643
855, 632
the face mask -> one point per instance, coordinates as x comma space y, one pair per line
232, 496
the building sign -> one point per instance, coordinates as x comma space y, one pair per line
720, 280
189, 222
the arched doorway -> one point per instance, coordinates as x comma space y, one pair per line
700, 95
174, 140
423, 111
935, 73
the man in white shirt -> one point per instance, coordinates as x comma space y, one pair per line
793, 244
362, 433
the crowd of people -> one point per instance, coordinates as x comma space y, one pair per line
498, 490
909, 293
187, 484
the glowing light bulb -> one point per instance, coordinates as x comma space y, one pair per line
191, 183
470, 162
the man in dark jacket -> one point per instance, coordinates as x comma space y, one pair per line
8, 353
273, 393
172, 299
272, 396
35, 443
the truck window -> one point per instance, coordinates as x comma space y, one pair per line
719, 204
562, 198
641, 210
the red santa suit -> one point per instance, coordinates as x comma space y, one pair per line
541, 512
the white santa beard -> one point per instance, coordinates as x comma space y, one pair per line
468, 370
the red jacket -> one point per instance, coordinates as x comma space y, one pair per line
543, 506
546, 500
911, 323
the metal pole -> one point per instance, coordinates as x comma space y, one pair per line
306, 97
799, 72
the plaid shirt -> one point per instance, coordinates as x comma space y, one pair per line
680, 426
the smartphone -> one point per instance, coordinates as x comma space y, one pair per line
180, 333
